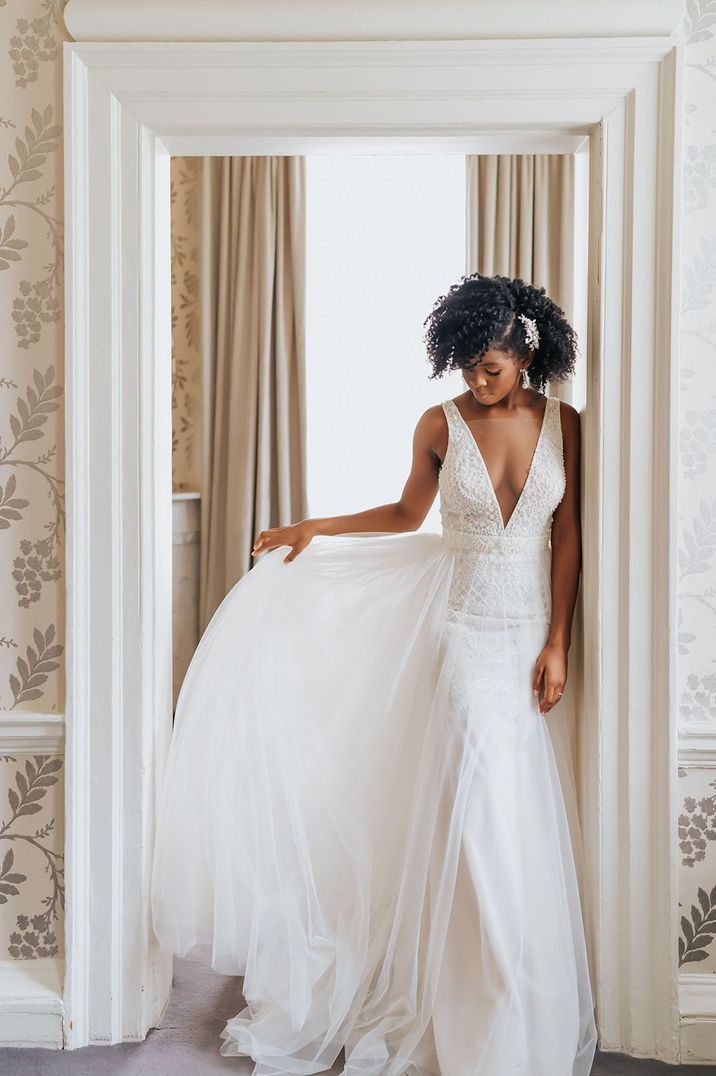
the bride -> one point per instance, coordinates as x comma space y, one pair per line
363, 809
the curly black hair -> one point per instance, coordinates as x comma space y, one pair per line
480, 312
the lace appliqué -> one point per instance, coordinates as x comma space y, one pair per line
499, 604
468, 507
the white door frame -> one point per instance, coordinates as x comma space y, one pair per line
128, 107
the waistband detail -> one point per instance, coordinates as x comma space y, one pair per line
499, 544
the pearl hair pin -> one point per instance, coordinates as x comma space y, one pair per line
531, 331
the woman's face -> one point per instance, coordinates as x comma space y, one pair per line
493, 376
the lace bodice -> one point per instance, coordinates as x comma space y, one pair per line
470, 512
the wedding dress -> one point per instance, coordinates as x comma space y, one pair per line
362, 811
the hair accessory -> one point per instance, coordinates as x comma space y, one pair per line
531, 331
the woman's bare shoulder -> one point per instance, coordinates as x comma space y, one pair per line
571, 430
569, 416
434, 415
432, 430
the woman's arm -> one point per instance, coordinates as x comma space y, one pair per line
551, 665
405, 514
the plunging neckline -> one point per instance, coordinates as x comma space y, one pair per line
481, 458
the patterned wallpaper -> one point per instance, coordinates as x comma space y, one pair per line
31, 463
32, 502
32, 889
186, 323
697, 488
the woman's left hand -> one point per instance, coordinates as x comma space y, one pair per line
550, 676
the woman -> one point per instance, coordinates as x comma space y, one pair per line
362, 812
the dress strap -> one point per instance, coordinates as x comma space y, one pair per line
456, 424
554, 424
453, 419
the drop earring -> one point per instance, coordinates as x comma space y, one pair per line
525, 378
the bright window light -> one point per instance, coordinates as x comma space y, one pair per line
385, 237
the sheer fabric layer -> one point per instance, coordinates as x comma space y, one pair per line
363, 814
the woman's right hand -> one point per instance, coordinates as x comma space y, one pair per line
297, 536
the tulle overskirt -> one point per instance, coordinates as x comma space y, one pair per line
363, 814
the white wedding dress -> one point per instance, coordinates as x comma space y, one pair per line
362, 810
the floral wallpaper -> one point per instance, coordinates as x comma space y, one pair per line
32, 891
32, 496
186, 175
697, 488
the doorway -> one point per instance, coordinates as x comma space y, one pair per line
128, 110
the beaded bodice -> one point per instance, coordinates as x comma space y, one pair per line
470, 512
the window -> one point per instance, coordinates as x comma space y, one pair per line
385, 236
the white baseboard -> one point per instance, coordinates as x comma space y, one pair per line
31, 1008
698, 1042
697, 1005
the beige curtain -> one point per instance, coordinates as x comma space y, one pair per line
520, 220
253, 354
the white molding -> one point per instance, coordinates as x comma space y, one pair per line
255, 20
697, 1002
112, 58
78, 860
31, 1008
32, 733
126, 108
697, 746
697, 995
697, 1042
217, 145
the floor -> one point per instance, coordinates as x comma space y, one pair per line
186, 1043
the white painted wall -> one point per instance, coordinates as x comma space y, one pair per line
385, 236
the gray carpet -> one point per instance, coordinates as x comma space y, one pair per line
187, 1041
